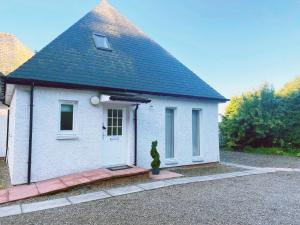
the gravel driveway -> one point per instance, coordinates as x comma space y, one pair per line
259, 160
260, 199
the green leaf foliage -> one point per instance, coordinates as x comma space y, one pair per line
155, 164
263, 118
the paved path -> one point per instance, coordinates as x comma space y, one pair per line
42, 205
232, 198
271, 198
62, 183
258, 160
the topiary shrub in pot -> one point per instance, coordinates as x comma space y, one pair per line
155, 164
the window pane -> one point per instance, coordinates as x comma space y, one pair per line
169, 132
115, 122
115, 131
109, 131
100, 41
66, 117
109, 123
115, 113
120, 131
196, 132
120, 113
66, 108
109, 113
119, 122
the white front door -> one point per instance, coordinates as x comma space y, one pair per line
114, 151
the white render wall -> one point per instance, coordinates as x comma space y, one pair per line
3, 130
18, 136
52, 157
151, 120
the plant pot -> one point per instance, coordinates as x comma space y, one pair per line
155, 171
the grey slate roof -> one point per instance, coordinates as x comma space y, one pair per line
136, 63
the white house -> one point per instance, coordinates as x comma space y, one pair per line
13, 53
98, 95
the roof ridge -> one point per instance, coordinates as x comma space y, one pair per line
136, 61
105, 10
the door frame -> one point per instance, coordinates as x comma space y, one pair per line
123, 149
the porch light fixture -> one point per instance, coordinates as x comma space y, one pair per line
95, 100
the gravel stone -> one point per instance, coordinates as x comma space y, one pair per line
250, 200
259, 160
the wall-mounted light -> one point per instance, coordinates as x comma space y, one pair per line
95, 100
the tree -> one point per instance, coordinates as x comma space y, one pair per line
290, 88
253, 119
290, 104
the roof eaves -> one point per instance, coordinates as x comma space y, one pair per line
22, 81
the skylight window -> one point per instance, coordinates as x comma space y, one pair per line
101, 42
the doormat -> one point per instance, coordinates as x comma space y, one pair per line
119, 168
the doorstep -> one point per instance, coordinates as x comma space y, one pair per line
66, 182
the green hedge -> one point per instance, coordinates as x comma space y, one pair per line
263, 118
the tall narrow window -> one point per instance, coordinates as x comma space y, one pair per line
196, 132
169, 126
66, 117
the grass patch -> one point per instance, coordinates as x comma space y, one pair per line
273, 151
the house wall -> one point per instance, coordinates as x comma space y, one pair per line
52, 157
18, 136
151, 127
3, 131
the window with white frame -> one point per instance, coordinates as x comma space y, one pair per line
196, 132
169, 133
67, 116
114, 122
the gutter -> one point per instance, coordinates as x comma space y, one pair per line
30, 135
129, 99
135, 134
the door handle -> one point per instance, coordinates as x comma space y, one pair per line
103, 127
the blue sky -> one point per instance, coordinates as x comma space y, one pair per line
234, 45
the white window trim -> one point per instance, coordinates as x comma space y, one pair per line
172, 161
199, 158
68, 134
115, 137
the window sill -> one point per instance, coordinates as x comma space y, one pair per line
67, 137
171, 162
197, 159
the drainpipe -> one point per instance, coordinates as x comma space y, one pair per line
7, 134
30, 135
7, 122
135, 134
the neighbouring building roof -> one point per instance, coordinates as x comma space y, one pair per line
134, 62
12, 53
